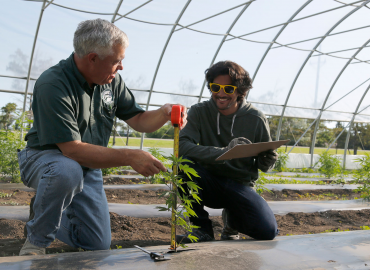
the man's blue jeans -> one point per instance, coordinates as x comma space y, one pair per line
70, 202
248, 212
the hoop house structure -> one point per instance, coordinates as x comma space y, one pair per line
309, 59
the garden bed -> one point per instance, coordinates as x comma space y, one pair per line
129, 231
16, 197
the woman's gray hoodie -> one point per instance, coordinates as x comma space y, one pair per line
208, 133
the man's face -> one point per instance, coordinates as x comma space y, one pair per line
225, 103
104, 70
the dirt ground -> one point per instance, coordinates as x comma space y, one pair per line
129, 231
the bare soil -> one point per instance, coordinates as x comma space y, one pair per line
129, 231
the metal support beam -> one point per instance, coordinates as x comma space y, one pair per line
350, 127
30, 65
160, 61
299, 19
116, 12
328, 95
307, 58
275, 38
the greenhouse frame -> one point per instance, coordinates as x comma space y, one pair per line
308, 59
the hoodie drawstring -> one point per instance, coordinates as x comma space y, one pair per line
218, 124
232, 125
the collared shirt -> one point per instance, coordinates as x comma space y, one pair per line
66, 108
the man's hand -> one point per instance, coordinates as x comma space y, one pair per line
236, 141
94, 156
267, 159
145, 164
167, 108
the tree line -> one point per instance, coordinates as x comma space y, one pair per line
293, 128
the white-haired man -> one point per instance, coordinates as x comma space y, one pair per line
74, 105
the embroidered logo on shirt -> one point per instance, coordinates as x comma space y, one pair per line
107, 97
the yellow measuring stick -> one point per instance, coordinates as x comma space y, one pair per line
176, 119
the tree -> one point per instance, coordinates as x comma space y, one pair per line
165, 132
8, 117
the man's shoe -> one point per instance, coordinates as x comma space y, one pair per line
228, 233
32, 215
202, 237
29, 249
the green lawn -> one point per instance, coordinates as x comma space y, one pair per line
160, 143
305, 150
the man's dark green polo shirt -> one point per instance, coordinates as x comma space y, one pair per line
66, 108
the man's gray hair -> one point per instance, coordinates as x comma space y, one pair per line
98, 36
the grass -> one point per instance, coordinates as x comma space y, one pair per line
158, 143
319, 150
167, 143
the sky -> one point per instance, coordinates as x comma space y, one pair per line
286, 75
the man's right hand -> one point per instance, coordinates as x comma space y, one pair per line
97, 157
144, 163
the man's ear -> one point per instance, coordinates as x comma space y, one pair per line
92, 57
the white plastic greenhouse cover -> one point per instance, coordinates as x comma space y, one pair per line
308, 58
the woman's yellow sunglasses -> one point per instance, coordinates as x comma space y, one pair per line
228, 89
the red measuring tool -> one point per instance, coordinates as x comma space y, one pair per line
176, 120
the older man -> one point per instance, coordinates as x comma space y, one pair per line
74, 105
215, 126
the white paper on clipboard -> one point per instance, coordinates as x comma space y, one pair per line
250, 150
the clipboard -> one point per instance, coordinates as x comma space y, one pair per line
250, 150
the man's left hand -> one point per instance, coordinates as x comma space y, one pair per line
167, 108
267, 159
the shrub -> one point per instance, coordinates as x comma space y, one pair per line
9, 143
259, 185
330, 164
362, 176
183, 209
280, 164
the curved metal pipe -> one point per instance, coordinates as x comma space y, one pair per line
160, 60
308, 57
350, 127
30, 65
327, 97
299, 19
275, 38
222, 42
116, 12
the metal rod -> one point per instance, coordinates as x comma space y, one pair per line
350, 127
217, 14
275, 38
337, 33
308, 57
116, 12
329, 93
121, 16
312, 15
17, 77
30, 67
162, 54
